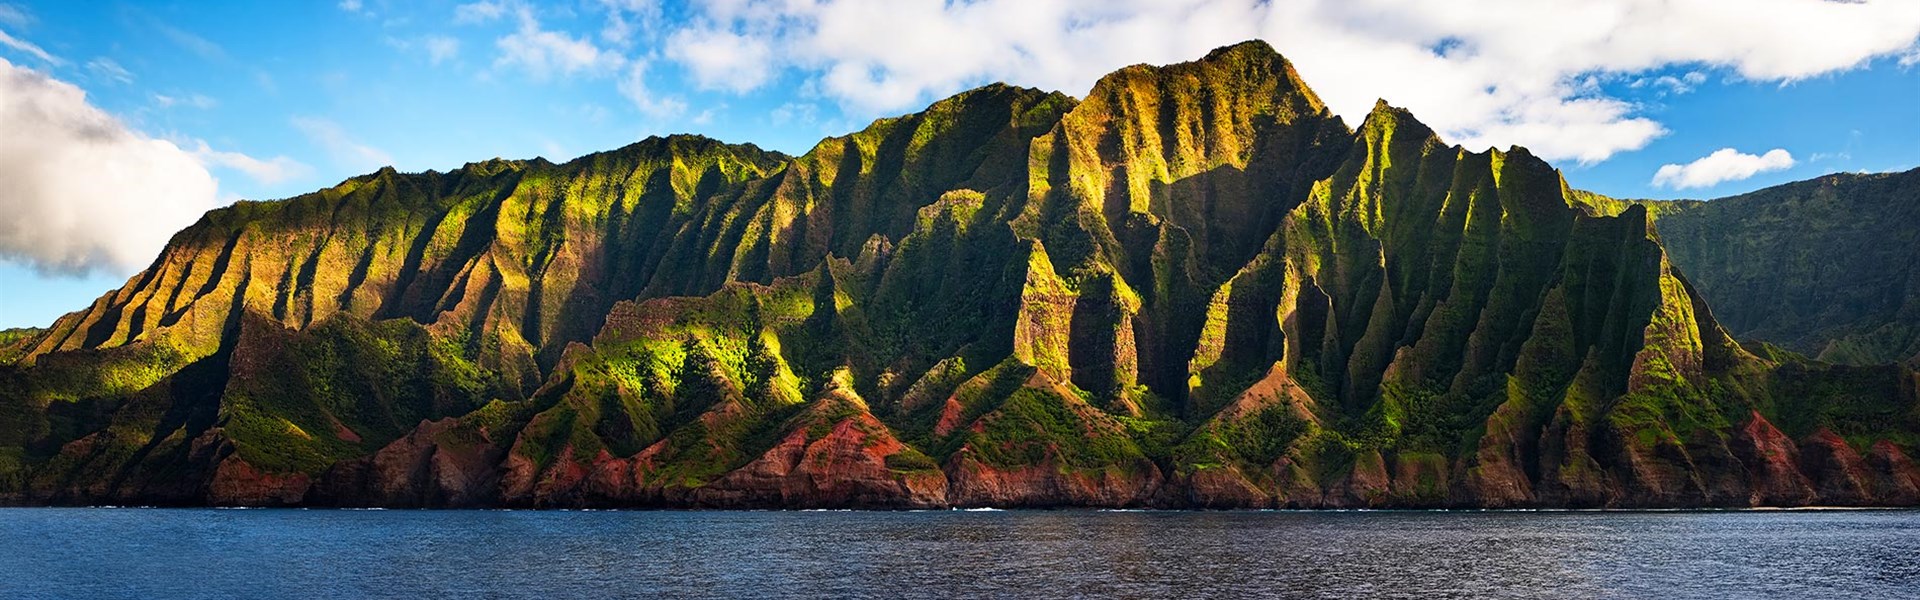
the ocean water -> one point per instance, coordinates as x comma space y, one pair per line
182, 553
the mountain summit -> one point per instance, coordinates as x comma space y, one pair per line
1197, 287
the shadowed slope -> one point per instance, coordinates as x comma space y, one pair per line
1825, 267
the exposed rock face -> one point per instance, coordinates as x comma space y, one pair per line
1774, 465
439, 463
1195, 288
236, 483
847, 467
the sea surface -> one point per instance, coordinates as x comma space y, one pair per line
192, 553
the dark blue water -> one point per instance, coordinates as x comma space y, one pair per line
156, 553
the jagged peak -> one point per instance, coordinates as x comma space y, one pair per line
997, 92
490, 167
687, 145
1387, 119
994, 89
1254, 47
1253, 52
375, 175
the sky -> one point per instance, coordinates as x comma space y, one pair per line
123, 121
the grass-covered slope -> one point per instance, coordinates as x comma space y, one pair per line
1828, 267
1196, 287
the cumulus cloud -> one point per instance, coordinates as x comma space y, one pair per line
628, 17
1725, 164
80, 190
341, 147
720, 59
544, 53
1483, 72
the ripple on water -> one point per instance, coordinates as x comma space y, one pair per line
183, 553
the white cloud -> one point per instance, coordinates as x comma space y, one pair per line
80, 190
1483, 72
440, 48
198, 101
1825, 156
14, 16
544, 53
105, 68
627, 17
479, 12
436, 48
190, 42
804, 113
633, 85
345, 151
273, 171
1676, 84
352, 6
29, 48
721, 59
1725, 164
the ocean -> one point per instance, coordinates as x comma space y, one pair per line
280, 553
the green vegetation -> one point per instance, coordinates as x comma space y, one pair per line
1033, 427
1813, 266
1198, 284
1254, 442
13, 342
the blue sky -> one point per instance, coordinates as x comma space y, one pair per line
207, 102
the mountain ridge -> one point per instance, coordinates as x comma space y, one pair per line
1814, 274
1196, 287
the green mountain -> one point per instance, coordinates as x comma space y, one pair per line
1828, 267
1195, 287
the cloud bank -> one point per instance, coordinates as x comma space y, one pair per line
1725, 164
79, 189
1483, 72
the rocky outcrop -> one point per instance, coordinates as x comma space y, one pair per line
443, 463
236, 483
1773, 464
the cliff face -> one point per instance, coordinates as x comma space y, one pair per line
1825, 267
1195, 288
